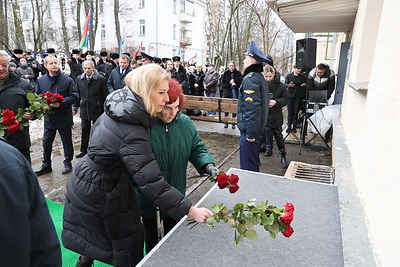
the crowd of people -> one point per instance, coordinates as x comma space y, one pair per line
136, 140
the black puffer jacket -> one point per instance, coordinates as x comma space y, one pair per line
277, 92
13, 96
101, 216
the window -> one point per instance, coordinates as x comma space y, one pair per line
65, 9
141, 3
73, 8
142, 27
183, 6
101, 6
49, 14
174, 6
28, 35
25, 12
174, 31
188, 7
103, 31
75, 32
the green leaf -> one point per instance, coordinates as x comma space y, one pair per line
274, 227
273, 235
231, 222
211, 222
239, 240
214, 208
30, 96
1, 132
249, 224
267, 221
251, 234
241, 228
238, 206
261, 206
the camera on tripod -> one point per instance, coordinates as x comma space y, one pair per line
316, 101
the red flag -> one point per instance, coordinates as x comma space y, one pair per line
138, 50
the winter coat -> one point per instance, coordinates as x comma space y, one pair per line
60, 118
92, 95
116, 80
277, 92
296, 91
326, 82
25, 70
103, 68
76, 68
101, 215
226, 85
26, 229
211, 81
179, 75
13, 96
253, 108
196, 77
36, 68
174, 145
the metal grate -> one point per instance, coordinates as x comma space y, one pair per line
309, 172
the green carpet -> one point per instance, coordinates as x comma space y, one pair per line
68, 257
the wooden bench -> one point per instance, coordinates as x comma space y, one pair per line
216, 104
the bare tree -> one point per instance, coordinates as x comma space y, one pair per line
39, 8
18, 31
4, 43
117, 24
78, 18
63, 26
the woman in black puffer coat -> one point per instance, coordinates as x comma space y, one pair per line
277, 100
101, 215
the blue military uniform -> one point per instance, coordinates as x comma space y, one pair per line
252, 110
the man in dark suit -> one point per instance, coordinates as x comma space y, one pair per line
117, 76
61, 117
92, 89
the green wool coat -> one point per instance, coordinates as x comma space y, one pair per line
174, 145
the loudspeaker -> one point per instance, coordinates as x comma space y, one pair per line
306, 53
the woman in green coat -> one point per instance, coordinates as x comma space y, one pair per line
175, 142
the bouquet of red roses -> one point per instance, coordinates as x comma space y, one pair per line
244, 217
9, 124
50, 97
225, 181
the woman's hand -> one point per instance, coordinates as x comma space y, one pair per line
199, 214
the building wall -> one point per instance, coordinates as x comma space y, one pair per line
371, 124
159, 17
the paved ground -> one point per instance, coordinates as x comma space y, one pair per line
53, 184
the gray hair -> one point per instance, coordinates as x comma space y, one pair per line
5, 54
47, 58
88, 62
22, 60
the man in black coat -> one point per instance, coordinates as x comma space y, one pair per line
231, 81
61, 117
179, 73
92, 89
27, 232
75, 64
117, 76
13, 92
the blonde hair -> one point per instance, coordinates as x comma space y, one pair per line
145, 81
268, 68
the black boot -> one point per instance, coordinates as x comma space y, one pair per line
283, 162
83, 264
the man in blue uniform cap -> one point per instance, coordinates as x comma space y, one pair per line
252, 112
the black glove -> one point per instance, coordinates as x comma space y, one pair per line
212, 170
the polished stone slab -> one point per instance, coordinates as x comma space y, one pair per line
315, 242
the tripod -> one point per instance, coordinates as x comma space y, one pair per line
303, 132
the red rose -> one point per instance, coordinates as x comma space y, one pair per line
289, 231
289, 207
233, 188
223, 185
13, 128
58, 97
49, 100
8, 117
42, 95
49, 94
287, 217
233, 179
222, 178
